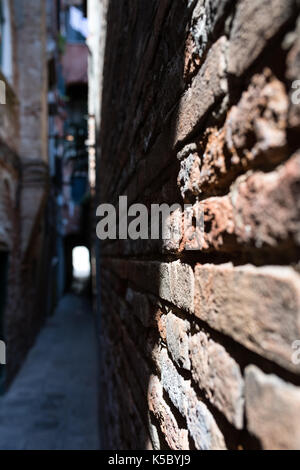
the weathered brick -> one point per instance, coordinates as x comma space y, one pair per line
216, 232
174, 384
194, 104
258, 307
273, 410
176, 438
293, 74
202, 83
173, 226
200, 422
205, 18
266, 206
255, 23
261, 210
254, 134
160, 319
177, 340
173, 282
154, 435
182, 285
189, 178
140, 306
219, 376
255, 129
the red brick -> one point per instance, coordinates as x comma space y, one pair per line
273, 410
255, 23
200, 422
176, 438
258, 307
194, 104
219, 376
254, 134
262, 210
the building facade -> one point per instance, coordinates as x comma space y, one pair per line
44, 198
23, 175
69, 131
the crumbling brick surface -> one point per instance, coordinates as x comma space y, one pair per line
197, 339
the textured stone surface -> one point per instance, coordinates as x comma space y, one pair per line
261, 210
200, 422
182, 285
219, 376
154, 435
175, 437
254, 133
197, 109
266, 206
255, 24
177, 340
194, 104
140, 306
32, 85
206, 17
172, 282
273, 409
258, 307
293, 74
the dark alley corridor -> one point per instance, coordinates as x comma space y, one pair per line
149, 227
52, 404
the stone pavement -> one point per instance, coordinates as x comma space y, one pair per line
52, 404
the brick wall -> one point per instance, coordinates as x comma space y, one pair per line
196, 344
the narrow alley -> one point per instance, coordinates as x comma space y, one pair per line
149, 226
52, 403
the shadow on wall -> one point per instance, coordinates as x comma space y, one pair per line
138, 160
142, 131
158, 65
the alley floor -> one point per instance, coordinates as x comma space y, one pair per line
52, 404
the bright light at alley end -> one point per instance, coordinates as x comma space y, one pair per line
81, 262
